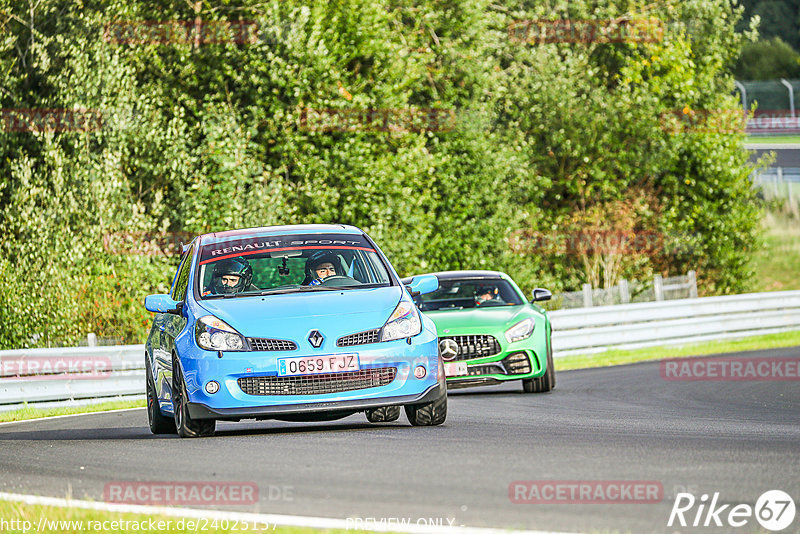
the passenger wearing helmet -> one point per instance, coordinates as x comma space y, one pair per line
321, 265
231, 276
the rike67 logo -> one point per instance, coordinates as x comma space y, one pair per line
774, 510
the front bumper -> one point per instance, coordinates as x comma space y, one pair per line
201, 411
231, 401
509, 364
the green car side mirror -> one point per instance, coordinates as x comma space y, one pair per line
539, 294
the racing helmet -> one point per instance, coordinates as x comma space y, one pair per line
490, 290
231, 267
318, 258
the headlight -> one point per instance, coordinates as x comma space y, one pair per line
215, 334
521, 330
404, 322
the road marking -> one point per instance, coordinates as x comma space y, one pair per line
70, 415
272, 519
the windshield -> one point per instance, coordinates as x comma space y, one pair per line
289, 264
467, 294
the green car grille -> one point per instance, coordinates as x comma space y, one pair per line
476, 346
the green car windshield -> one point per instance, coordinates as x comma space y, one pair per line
470, 293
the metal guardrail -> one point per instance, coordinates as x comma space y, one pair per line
630, 326
75, 373
625, 292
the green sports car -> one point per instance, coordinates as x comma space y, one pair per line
488, 332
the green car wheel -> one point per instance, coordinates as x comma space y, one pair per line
545, 383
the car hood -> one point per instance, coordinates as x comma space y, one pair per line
478, 320
293, 315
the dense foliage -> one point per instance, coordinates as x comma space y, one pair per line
550, 144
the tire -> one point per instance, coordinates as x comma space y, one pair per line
546, 382
185, 425
159, 423
384, 414
428, 414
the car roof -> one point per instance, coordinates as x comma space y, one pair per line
280, 230
451, 275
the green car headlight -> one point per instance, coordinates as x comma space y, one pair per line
212, 333
521, 330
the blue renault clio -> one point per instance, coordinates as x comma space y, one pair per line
297, 323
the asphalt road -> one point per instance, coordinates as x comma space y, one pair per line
618, 423
785, 155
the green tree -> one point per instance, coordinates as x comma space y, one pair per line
561, 138
767, 60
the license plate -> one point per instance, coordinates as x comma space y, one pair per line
315, 365
455, 369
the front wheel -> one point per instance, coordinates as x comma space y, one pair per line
546, 382
428, 414
186, 426
159, 423
384, 414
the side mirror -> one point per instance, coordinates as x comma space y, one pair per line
162, 304
540, 294
423, 284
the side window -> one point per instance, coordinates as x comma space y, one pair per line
182, 282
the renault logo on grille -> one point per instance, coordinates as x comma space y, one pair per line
448, 348
316, 338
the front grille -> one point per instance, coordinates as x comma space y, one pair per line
470, 347
317, 384
265, 344
361, 338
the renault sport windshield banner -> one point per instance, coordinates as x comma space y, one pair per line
283, 243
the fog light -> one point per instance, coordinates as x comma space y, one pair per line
212, 387
420, 372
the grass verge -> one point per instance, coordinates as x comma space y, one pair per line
31, 412
774, 140
777, 263
619, 357
79, 520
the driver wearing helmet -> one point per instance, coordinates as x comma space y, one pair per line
486, 295
321, 265
231, 276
